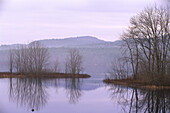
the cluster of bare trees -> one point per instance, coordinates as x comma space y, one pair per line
34, 59
73, 63
31, 59
147, 42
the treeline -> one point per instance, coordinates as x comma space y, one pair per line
146, 46
34, 59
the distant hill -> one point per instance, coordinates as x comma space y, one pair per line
97, 54
77, 42
80, 42
71, 42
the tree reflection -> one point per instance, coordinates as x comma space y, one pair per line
32, 94
28, 92
137, 100
73, 89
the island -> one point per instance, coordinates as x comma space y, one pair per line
47, 75
136, 83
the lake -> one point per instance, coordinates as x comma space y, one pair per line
77, 96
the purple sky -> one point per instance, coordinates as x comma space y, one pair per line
22, 21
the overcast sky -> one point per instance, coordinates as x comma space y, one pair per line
22, 21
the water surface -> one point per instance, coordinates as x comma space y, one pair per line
77, 96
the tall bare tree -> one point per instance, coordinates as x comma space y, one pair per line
11, 60
38, 57
56, 66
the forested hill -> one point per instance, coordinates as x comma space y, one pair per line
77, 42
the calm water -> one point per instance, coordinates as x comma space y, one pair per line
77, 96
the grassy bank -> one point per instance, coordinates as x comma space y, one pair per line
47, 75
136, 83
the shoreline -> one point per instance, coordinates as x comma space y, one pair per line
47, 75
129, 82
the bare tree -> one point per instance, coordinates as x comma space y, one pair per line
38, 57
132, 51
73, 62
56, 66
119, 69
17, 60
11, 60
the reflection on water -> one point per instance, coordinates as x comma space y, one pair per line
73, 90
28, 92
56, 94
32, 92
141, 101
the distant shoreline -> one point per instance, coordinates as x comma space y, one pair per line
48, 75
135, 84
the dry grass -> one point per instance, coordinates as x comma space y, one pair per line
48, 75
136, 84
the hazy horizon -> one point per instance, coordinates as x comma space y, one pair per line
29, 20
57, 38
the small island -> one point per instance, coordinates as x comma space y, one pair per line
136, 83
145, 59
32, 61
47, 75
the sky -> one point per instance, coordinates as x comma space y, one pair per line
23, 21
